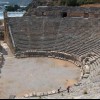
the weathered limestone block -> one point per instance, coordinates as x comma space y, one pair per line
30, 94
26, 95
87, 69
86, 76
53, 92
34, 94
49, 92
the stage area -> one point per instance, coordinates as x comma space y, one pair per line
20, 76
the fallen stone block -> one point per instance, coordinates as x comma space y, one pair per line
12, 96
53, 92
30, 94
85, 75
26, 95
38, 94
34, 94
49, 92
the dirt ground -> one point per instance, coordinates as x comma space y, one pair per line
20, 76
91, 5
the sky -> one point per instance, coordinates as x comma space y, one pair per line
19, 2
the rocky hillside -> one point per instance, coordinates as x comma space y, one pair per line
62, 2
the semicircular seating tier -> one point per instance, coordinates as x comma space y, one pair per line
77, 36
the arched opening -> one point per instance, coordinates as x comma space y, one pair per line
64, 14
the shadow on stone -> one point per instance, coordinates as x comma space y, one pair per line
4, 51
12, 97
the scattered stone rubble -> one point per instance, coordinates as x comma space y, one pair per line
1, 58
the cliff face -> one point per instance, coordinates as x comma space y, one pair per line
35, 3
62, 2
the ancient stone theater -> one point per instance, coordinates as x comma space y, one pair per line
55, 52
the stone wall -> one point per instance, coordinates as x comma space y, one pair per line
7, 33
58, 11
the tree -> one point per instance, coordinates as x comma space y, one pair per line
12, 8
80, 2
16, 7
68, 2
63, 2
71, 2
